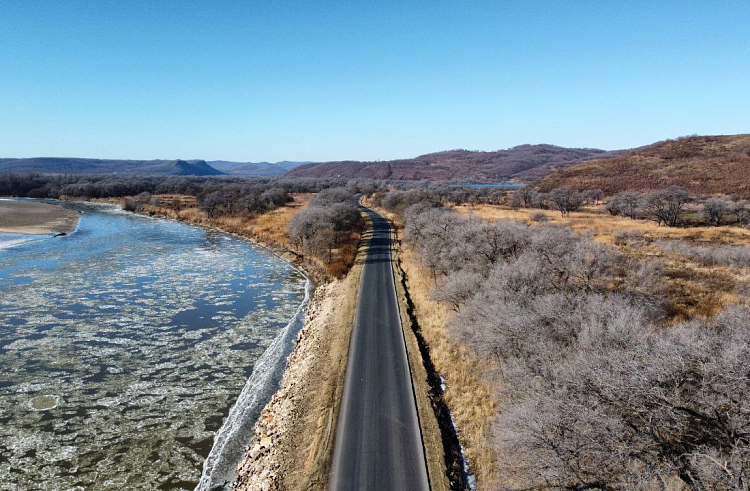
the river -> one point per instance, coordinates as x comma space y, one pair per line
124, 346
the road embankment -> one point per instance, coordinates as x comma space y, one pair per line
292, 446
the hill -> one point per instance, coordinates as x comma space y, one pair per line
58, 165
705, 165
525, 163
254, 168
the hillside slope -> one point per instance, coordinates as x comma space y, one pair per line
59, 165
525, 163
705, 165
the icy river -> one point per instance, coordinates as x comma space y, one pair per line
134, 349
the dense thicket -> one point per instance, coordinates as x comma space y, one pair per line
595, 390
327, 223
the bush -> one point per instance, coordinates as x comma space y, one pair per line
715, 255
714, 209
539, 217
329, 224
628, 237
594, 393
565, 200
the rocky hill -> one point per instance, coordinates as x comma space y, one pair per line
525, 163
705, 165
58, 165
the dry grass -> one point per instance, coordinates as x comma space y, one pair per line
268, 229
468, 395
310, 445
299, 424
431, 433
691, 288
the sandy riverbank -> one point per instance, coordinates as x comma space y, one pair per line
30, 217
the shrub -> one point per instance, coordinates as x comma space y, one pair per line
713, 210
539, 217
715, 255
628, 237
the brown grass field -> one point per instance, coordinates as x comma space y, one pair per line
691, 288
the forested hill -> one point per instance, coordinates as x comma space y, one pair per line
59, 165
705, 165
525, 163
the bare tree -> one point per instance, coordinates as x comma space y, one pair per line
211, 203
528, 196
565, 200
666, 206
713, 210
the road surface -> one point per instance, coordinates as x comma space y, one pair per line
378, 442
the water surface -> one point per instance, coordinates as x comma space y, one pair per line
124, 345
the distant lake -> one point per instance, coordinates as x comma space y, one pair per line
124, 345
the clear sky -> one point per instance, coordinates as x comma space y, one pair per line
318, 80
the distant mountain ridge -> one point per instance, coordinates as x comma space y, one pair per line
254, 168
63, 165
705, 165
524, 163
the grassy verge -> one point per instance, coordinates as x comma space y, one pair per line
469, 397
428, 398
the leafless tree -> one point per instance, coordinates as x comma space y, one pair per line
565, 200
211, 203
714, 209
528, 196
666, 206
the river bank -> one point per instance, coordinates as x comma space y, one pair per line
291, 448
267, 230
35, 218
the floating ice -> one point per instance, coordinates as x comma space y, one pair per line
141, 389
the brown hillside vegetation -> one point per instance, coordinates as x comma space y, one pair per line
524, 163
705, 165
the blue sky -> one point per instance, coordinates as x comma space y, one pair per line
318, 80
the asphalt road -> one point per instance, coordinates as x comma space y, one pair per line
378, 442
